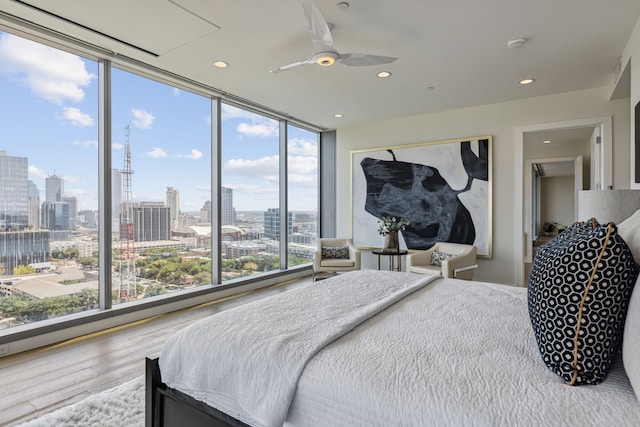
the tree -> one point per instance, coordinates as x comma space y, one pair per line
24, 269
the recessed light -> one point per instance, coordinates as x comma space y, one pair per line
527, 81
338, 116
220, 64
384, 74
546, 141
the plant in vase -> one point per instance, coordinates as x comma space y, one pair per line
389, 226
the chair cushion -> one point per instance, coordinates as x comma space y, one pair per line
336, 263
335, 252
579, 291
426, 269
438, 257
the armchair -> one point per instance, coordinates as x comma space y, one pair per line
444, 259
333, 255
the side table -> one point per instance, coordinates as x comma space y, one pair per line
395, 260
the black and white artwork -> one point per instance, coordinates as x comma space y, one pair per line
443, 188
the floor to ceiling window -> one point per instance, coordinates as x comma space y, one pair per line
250, 200
165, 218
161, 183
48, 182
302, 180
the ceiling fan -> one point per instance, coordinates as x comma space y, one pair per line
324, 52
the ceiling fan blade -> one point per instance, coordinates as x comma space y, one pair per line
293, 65
361, 59
318, 29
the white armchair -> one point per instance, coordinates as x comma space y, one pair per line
444, 259
333, 255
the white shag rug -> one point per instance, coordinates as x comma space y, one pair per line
121, 406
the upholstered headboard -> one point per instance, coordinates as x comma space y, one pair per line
607, 205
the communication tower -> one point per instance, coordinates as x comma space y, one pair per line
127, 286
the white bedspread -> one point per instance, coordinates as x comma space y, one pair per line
246, 361
454, 353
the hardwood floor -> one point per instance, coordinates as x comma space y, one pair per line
42, 380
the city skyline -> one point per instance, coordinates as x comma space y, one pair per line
169, 135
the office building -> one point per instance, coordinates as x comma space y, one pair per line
14, 192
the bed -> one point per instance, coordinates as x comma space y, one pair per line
412, 351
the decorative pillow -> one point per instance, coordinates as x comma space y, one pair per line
629, 230
579, 291
438, 257
335, 252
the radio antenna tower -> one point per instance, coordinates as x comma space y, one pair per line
127, 286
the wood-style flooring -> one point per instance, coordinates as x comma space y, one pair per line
42, 380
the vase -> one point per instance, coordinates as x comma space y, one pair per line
391, 243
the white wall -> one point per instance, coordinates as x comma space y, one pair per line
557, 194
500, 121
632, 53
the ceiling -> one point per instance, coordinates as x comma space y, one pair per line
452, 53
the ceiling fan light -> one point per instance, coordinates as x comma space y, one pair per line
326, 60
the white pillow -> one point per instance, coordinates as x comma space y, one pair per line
631, 340
629, 230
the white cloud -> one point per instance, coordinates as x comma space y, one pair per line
117, 146
156, 152
176, 91
303, 147
266, 168
77, 117
36, 172
253, 124
70, 179
258, 129
49, 73
142, 119
302, 164
86, 143
194, 155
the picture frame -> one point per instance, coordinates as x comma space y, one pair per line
443, 187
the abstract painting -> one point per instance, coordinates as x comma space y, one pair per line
443, 188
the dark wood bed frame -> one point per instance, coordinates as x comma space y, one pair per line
166, 407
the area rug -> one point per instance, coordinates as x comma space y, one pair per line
121, 406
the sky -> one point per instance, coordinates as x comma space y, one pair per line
49, 114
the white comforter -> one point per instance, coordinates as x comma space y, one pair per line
247, 361
453, 353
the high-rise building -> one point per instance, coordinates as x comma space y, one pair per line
14, 191
22, 248
151, 221
54, 190
227, 212
73, 210
55, 216
205, 213
173, 203
272, 223
34, 205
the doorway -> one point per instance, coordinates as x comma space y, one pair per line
600, 174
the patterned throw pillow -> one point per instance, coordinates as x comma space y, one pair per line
579, 291
335, 252
438, 257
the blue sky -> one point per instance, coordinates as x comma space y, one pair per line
49, 114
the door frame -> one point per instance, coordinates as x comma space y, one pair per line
520, 237
528, 195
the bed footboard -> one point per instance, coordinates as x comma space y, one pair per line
166, 407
